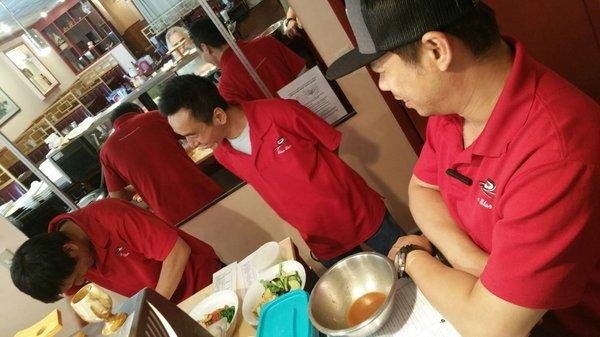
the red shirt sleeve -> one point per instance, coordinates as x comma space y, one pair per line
310, 126
426, 168
143, 231
544, 247
114, 182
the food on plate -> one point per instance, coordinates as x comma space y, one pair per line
283, 283
217, 322
227, 312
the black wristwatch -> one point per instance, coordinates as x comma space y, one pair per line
400, 260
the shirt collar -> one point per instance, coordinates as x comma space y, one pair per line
513, 106
258, 128
98, 235
228, 53
124, 118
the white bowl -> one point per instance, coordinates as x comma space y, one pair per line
216, 301
254, 293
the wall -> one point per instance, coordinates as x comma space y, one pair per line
17, 89
121, 14
373, 144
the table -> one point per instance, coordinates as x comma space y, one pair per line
288, 252
199, 155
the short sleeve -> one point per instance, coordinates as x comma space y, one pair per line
310, 126
544, 247
426, 168
143, 231
114, 182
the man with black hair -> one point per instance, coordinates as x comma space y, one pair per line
507, 183
276, 64
288, 154
144, 155
118, 246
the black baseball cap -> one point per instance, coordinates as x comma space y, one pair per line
383, 25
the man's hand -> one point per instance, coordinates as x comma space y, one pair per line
126, 194
292, 29
418, 240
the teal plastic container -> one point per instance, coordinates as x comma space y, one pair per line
286, 316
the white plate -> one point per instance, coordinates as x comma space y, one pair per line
216, 301
256, 290
266, 256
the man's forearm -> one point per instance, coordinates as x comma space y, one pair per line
433, 218
172, 269
465, 303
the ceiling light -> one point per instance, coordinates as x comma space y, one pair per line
4, 28
44, 14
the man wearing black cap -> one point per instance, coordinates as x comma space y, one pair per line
507, 185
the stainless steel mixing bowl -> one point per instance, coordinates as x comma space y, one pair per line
343, 284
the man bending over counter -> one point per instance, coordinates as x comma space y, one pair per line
144, 155
288, 154
118, 246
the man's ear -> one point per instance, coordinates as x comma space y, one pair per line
71, 249
219, 116
437, 50
205, 48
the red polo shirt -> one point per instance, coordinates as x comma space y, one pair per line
130, 245
275, 63
145, 152
534, 204
294, 168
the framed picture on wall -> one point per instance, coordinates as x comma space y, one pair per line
37, 75
8, 108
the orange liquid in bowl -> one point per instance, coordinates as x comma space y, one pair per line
364, 307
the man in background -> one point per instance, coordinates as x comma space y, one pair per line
288, 154
275, 64
143, 155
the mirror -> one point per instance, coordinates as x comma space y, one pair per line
35, 72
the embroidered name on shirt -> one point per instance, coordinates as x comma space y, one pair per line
484, 203
122, 251
282, 146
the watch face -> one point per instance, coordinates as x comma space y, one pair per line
402, 263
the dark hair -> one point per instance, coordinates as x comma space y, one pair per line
205, 31
192, 92
124, 108
478, 30
41, 265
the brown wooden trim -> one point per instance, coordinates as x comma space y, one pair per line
400, 113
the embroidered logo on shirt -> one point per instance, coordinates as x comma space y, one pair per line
122, 251
282, 145
488, 187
